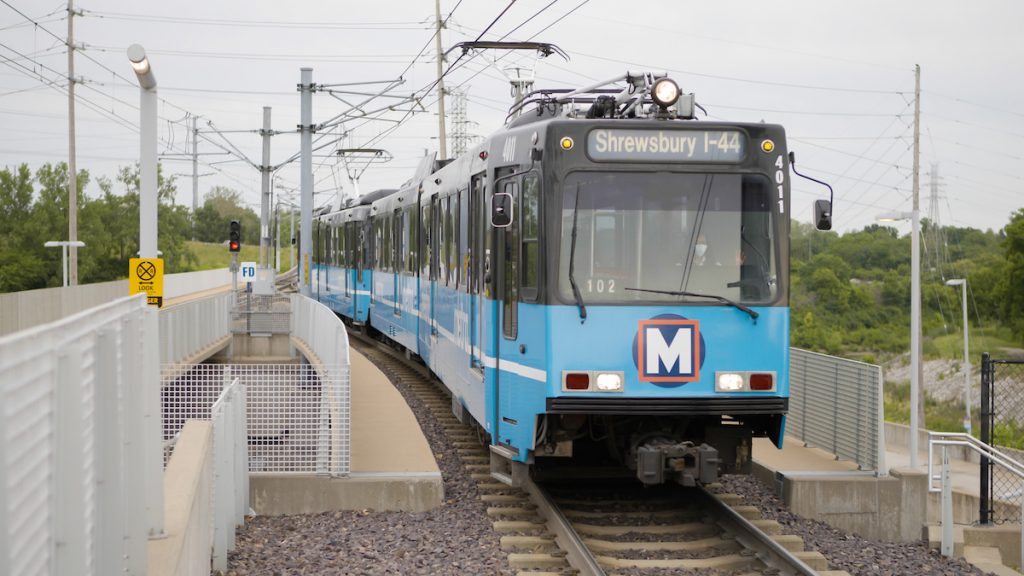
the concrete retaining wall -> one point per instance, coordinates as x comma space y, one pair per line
21, 310
188, 514
274, 494
890, 508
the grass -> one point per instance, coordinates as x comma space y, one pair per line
991, 339
947, 416
212, 255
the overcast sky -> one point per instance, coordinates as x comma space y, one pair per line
838, 75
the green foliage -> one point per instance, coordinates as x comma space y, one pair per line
850, 293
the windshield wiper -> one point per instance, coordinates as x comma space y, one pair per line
723, 299
572, 259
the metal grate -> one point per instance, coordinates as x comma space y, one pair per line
1003, 380
836, 404
257, 314
298, 415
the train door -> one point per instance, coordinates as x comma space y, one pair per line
396, 259
506, 264
436, 218
477, 229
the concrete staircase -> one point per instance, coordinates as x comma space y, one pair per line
992, 549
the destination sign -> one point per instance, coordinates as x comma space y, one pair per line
630, 145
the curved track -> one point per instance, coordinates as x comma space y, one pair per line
597, 527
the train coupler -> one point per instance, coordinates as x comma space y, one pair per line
681, 462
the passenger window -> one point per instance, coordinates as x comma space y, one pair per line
530, 222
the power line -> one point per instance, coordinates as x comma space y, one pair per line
408, 25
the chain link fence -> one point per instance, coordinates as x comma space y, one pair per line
298, 415
260, 314
1002, 418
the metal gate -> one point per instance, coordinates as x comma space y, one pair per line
1002, 415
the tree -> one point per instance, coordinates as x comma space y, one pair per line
220, 206
1012, 288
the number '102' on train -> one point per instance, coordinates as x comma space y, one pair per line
602, 282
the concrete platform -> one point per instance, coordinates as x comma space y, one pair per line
892, 507
392, 466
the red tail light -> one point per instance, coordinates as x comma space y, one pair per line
577, 381
761, 382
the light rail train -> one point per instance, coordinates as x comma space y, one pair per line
604, 279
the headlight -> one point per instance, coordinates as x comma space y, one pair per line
665, 92
609, 382
729, 382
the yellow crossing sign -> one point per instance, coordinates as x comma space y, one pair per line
147, 275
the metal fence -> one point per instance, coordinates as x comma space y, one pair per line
945, 440
298, 415
1002, 400
836, 404
81, 488
261, 315
230, 470
187, 329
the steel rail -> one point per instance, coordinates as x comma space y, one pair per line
577, 553
773, 554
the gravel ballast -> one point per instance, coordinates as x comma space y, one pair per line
457, 538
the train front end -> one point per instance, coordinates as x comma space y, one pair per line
667, 284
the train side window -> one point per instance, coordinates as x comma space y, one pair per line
411, 227
463, 240
510, 304
475, 232
398, 233
443, 235
425, 241
529, 221
434, 237
453, 242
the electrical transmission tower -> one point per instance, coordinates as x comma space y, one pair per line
936, 238
461, 138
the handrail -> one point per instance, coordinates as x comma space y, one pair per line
946, 439
968, 441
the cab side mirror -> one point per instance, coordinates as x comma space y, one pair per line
501, 210
823, 214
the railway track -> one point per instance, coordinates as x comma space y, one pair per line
606, 527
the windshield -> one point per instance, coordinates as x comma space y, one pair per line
705, 233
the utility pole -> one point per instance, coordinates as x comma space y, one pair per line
195, 173
305, 178
265, 169
72, 168
442, 136
916, 399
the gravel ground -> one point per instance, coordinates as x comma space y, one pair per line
846, 551
457, 538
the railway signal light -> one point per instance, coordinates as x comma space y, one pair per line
235, 237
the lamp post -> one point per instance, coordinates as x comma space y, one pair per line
147, 151
962, 283
915, 323
64, 244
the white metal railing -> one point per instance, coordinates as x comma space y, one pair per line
24, 310
836, 404
187, 328
81, 488
323, 335
230, 470
297, 421
945, 440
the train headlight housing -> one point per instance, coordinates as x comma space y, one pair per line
729, 382
609, 381
665, 92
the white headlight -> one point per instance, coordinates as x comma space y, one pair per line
665, 92
729, 382
609, 382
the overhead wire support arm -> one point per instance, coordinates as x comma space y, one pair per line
544, 48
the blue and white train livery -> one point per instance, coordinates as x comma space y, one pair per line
603, 281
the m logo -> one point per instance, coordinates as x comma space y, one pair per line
668, 349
